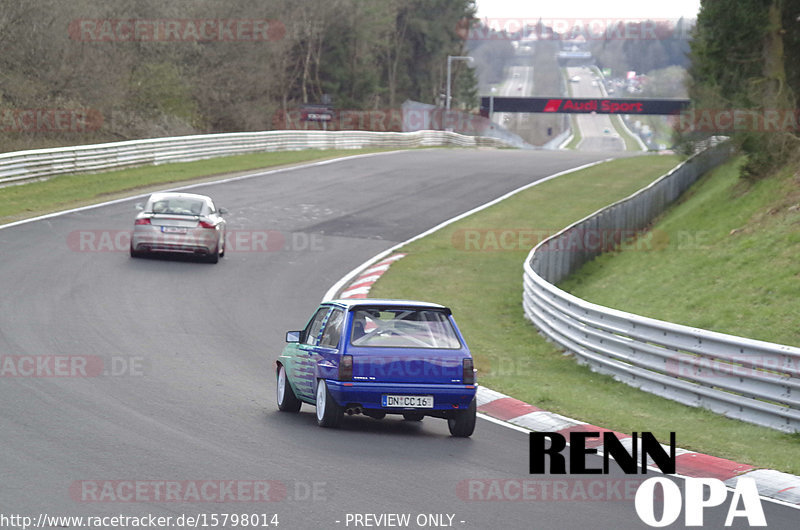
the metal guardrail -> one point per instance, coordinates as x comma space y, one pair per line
41, 163
750, 380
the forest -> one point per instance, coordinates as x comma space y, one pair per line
744, 65
88, 70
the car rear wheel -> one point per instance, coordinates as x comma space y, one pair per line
134, 253
462, 424
413, 416
214, 256
329, 413
287, 401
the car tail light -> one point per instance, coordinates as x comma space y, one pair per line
205, 224
468, 375
142, 221
346, 368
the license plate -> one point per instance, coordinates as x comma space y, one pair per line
173, 230
417, 402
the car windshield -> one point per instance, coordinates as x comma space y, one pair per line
403, 328
178, 205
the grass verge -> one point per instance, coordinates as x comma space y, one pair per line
70, 191
725, 260
480, 277
576, 133
630, 142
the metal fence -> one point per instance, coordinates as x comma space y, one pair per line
42, 163
746, 379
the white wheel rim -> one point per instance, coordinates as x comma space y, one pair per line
320, 400
281, 384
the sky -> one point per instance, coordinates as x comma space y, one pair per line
578, 9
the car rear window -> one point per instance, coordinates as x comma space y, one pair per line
403, 328
177, 206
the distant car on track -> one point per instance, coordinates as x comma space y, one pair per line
379, 357
183, 223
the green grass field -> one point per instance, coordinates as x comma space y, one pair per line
726, 261
483, 285
69, 191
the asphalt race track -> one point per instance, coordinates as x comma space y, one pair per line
189, 350
597, 131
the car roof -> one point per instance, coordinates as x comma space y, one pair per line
161, 195
350, 303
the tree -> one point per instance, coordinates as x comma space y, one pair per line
738, 62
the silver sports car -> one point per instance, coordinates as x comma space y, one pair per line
183, 223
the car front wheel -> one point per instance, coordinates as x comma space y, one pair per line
462, 424
329, 413
287, 401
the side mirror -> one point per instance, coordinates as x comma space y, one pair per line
293, 336
139, 206
222, 211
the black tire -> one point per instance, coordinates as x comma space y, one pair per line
287, 400
214, 256
462, 424
135, 254
329, 413
413, 416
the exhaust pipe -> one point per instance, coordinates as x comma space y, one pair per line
353, 410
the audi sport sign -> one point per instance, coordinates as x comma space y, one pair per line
584, 105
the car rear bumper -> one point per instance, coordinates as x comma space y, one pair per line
194, 242
368, 395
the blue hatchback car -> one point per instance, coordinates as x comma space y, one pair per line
378, 357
